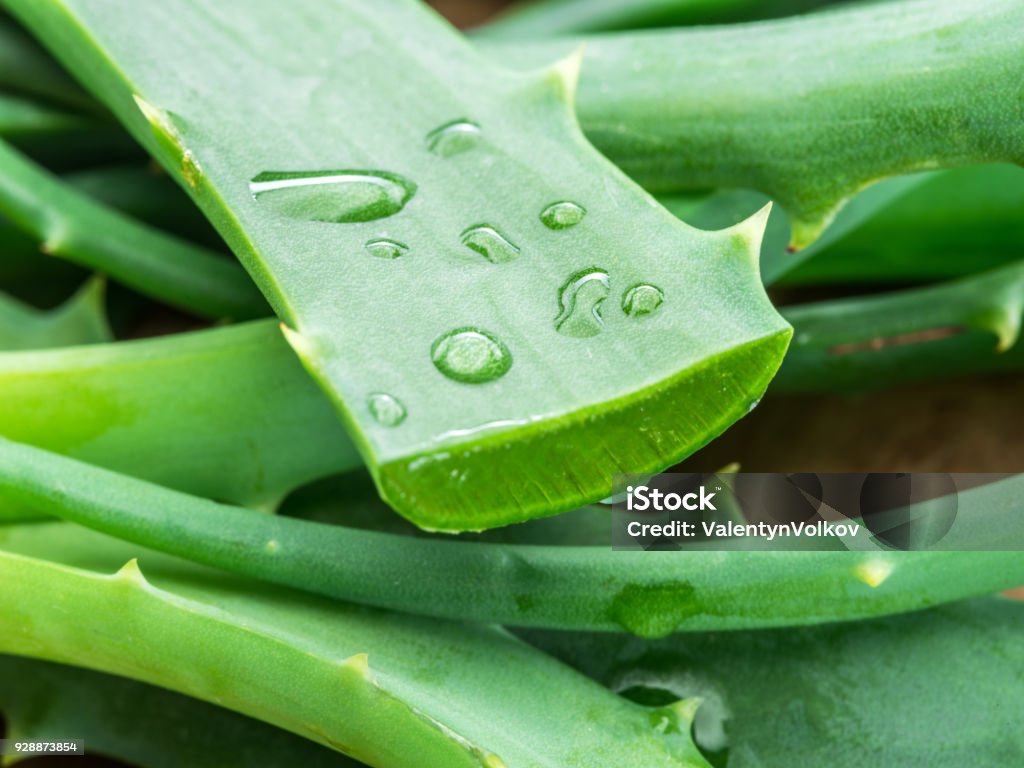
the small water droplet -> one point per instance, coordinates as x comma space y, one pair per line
336, 197
562, 215
454, 138
641, 300
471, 356
386, 249
490, 243
581, 298
386, 410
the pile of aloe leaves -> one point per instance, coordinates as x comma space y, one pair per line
325, 328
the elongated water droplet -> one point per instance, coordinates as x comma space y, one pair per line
333, 196
581, 298
642, 300
386, 410
471, 356
562, 215
490, 243
454, 138
386, 249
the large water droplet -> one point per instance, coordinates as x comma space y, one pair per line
581, 298
490, 243
471, 356
386, 410
454, 138
386, 249
643, 299
562, 215
333, 196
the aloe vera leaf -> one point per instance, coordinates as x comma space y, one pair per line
970, 325
26, 69
938, 688
80, 320
393, 691
535, 19
21, 117
814, 126
959, 222
141, 724
484, 432
73, 227
148, 195
226, 413
648, 593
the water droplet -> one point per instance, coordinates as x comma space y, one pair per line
471, 356
386, 410
490, 243
562, 215
641, 300
333, 196
581, 298
386, 249
454, 138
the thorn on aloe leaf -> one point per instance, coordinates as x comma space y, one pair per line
874, 572
1004, 321
169, 138
131, 573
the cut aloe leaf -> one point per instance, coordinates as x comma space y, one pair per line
143, 725
535, 19
721, 107
226, 413
490, 367
971, 325
80, 320
72, 226
845, 695
390, 690
646, 593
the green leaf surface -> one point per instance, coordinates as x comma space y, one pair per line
860, 94
226, 413
26, 69
72, 226
141, 724
647, 593
940, 688
966, 326
957, 222
464, 359
534, 19
392, 691
80, 320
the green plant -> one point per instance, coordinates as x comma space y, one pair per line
479, 322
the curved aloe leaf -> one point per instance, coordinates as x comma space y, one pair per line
74, 227
226, 413
550, 18
813, 127
971, 325
940, 688
958, 222
647, 593
471, 283
390, 690
141, 724
80, 320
